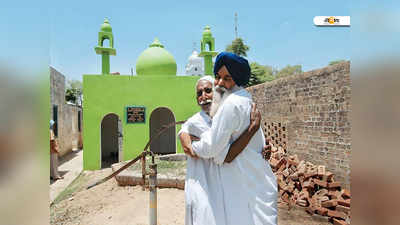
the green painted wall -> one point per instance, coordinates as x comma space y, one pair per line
105, 94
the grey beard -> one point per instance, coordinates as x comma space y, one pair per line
219, 98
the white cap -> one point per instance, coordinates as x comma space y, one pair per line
207, 78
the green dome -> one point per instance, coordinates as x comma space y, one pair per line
155, 60
106, 27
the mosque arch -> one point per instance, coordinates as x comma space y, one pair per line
208, 46
166, 142
110, 140
106, 42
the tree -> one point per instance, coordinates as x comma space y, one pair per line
260, 74
270, 74
70, 95
73, 92
289, 70
336, 62
253, 80
238, 47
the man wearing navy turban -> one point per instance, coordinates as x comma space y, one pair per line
204, 202
248, 184
237, 66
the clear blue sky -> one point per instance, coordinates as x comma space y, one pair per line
278, 32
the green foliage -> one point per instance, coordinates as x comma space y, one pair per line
253, 80
238, 47
289, 70
336, 62
73, 92
261, 74
70, 95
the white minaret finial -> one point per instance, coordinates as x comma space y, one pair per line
236, 25
194, 46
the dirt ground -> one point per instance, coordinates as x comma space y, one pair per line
110, 204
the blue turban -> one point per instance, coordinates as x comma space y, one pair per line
237, 66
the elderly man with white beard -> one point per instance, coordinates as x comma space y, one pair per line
249, 186
203, 189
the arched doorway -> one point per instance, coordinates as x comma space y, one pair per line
111, 140
166, 142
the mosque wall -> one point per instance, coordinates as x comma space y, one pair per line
105, 94
310, 114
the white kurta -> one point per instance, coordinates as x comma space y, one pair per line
203, 190
248, 183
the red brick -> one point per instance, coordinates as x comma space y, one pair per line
282, 185
279, 176
301, 168
273, 162
310, 210
322, 192
344, 209
346, 193
292, 169
324, 198
293, 162
301, 202
285, 197
281, 168
315, 201
285, 173
328, 176
308, 184
321, 183
304, 194
281, 162
336, 214
289, 188
330, 203
321, 171
344, 202
339, 222
313, 174
334, 194
297, 185
322, 211
334, 185
301, 179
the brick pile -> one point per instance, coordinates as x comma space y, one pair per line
310, 186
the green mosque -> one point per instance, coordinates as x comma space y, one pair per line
122, 112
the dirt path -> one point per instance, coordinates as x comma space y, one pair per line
110, 204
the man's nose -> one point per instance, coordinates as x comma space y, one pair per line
203, 94
221, 83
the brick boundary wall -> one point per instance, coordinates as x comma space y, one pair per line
313, 110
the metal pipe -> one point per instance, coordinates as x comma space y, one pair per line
153, 194
143, 172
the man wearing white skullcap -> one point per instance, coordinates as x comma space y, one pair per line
248, 183
204, 203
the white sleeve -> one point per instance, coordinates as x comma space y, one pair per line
184, 128
215, 142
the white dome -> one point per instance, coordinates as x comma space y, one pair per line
195, 64
194, 58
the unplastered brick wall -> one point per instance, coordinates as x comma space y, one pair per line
312, 110
68, 132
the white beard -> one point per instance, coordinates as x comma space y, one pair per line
219, 98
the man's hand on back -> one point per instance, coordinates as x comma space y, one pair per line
255, 119
186, 141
